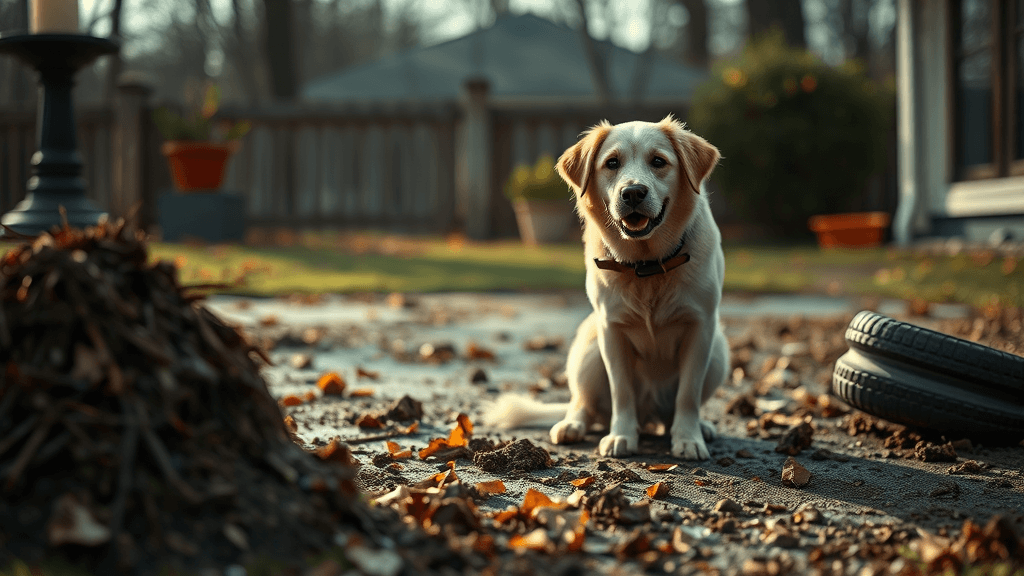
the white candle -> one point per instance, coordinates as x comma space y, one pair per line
54, 16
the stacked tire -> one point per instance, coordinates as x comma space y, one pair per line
915, 376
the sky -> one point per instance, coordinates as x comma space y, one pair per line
451, 16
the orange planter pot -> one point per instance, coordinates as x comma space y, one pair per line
855, 230
198, 165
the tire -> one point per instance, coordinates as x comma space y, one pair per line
919, 377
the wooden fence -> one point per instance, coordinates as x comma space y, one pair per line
414, 169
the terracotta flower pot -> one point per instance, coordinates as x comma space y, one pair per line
198, 165
853, 230
543, 221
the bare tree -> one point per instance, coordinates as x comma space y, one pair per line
787, 15
696, 50
15, 78
596, 57
279, 46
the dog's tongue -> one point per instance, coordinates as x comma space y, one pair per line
635, 221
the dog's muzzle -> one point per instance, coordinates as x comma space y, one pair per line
636, 224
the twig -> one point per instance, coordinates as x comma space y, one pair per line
129, 446
29, 449
163, 459
17, 433
383, 436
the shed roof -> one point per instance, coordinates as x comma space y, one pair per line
523, 57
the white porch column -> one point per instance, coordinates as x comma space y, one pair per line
908, 127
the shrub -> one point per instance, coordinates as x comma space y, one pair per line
199, 124
537, 182
798, 137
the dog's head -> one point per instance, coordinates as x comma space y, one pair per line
638, 181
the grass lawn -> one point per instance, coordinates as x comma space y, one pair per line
382, 263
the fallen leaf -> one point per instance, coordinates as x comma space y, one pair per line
364, 373
700, 483
475, 352
290, 423
367, 421
361, 393
434, 445
659, 489
269, 320
331, 384
309, 396
575, 539
291, 400
582, 482
460, 434
535, 500
662, 467
338, 452
490, 487
73, 523
536, 540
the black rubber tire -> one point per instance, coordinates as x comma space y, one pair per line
915, 376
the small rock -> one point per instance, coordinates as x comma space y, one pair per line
726, 461
478, 376
951, 489
744, 453
794, 475
404, 409
728, 505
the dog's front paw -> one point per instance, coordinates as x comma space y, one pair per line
568, 431
690, 448
616, 445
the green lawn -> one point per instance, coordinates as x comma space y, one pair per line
380, 263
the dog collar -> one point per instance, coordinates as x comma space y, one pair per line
645, 268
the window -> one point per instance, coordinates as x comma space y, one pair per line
988, 88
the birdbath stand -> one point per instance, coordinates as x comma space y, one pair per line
56, 166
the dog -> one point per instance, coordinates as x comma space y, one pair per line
653, 350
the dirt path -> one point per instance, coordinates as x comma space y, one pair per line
869, 493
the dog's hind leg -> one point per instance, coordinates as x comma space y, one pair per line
588, 382
717, 373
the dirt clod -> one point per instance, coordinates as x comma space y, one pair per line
966, 467
929, 452
796, 439
405, 409
520, 455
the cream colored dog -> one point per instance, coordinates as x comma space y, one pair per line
652, 351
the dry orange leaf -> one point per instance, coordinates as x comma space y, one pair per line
396, 451
367, 421
576, 538
490, 487
269, 320
336, 451
662, 467
309, 396
361, 393
289, 422
434, 445
291, 400
659, 489
412, 428
331, 383
474, 352
535, 500
364, 373
700, 483
461, 433
582, 482
536, 540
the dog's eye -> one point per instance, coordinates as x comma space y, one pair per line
658, 162
612, 164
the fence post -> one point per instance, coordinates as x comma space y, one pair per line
473, 163
129, 145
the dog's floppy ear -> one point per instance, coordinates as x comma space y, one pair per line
695, 153
576, 165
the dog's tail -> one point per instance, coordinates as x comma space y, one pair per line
518, 411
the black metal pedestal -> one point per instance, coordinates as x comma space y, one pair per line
56, 166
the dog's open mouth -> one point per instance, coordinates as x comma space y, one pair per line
637, 225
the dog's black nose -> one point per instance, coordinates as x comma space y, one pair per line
633, 195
